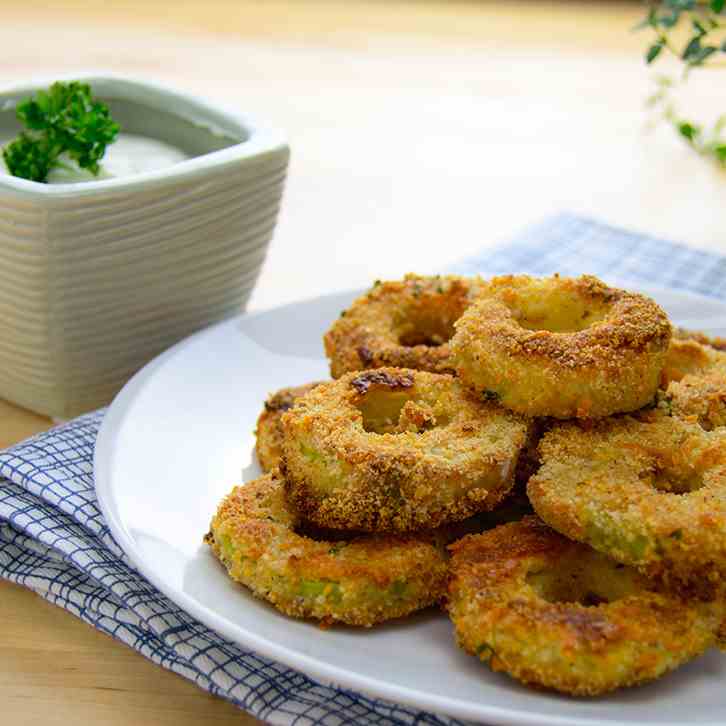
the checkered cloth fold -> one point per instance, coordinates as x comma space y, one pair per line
53, 538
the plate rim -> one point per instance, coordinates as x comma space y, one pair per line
326, 673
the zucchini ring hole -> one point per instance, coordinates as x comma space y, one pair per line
418, 329
398, 412
671, 480
586, 581
556, 310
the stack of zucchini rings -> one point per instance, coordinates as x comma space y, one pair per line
543, 457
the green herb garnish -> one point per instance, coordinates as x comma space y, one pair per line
693, 31
64, 119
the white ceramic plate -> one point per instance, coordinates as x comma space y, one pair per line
180, 435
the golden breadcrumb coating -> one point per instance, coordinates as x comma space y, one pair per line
514, 507
683, 358
699, 337
404, 324
558, 614
694, 379
649, 491
397, 450
269, 431
561, 347
363, 581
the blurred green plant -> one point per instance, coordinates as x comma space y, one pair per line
692, 31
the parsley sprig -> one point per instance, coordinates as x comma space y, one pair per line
693, 31
66, 119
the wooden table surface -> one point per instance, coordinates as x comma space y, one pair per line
421, 132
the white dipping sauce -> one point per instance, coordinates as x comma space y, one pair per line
129, 154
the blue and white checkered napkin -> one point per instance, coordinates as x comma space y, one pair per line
53, 538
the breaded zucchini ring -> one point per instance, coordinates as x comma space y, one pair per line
648, 491
516, 505
695, 381
363, 581
561, 347
405, 324
558, 614
268, 431
397, 450
699, 337
701, 397
686, 357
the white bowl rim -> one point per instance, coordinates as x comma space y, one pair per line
260, 139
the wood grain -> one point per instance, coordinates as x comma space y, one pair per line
413, 148
363, 23
17, 424
421, 133
55, 669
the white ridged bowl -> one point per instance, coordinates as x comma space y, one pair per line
98, 278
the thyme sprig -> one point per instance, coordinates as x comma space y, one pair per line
693, 31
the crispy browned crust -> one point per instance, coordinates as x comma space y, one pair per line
514, 599
413, 310
683, 358
612, 364
699, 337
701, 398
268, 431
444, 457
361, 581
694, 379
649, 491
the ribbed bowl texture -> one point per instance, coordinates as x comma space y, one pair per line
96, 281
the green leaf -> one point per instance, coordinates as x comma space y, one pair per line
692, 49
702, 55
720, 152
681, 4
64, 119
654, 51
688, 131
695, 54
669, 20
650, 20
698, 28
29, 158
717, 5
